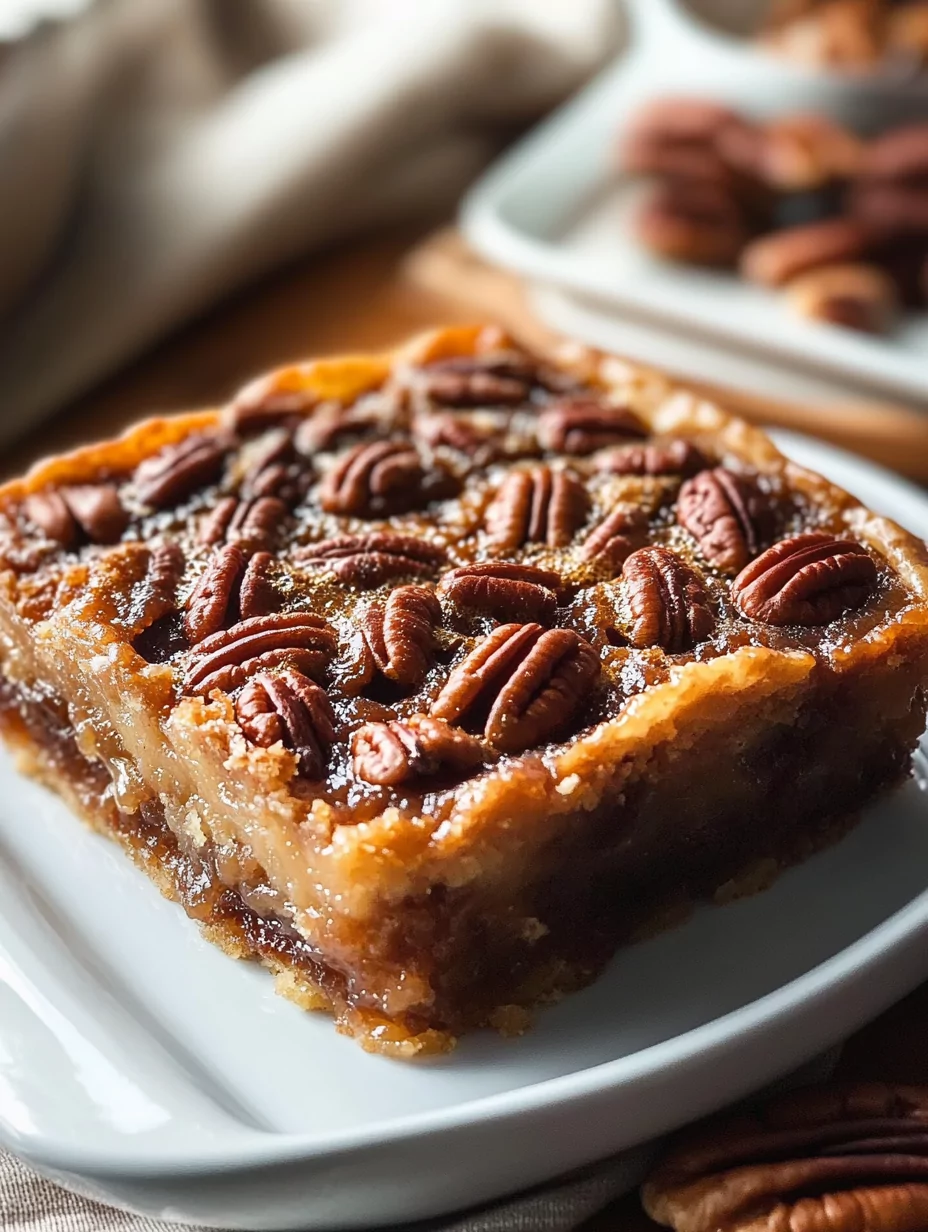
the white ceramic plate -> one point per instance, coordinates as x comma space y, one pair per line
141, 1065
554, 208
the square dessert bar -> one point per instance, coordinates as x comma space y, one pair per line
430, 678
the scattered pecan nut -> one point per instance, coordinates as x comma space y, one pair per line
232, 587
806, 151
832, 1159
366, 561
809, 579
899, 155
673, 456
613, 539
890, 210
774, 259
583, 425
530, 683
178, 470
290, 708
539, 505
505, 591
861, 297
725, 514
699, 223
381, 478
254, 523
667, 600
419, 747
401, 633
690, 141
227, 659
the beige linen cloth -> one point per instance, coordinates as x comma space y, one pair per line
156, 154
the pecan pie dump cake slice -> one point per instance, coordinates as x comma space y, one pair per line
429, 679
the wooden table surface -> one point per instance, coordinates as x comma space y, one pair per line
359, 297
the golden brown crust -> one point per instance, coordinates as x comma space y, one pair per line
336, 877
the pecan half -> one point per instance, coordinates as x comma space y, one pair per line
253, 523
583, 425
529, 682
227, 659
540, 505
178, 470
379, 478
833, 1159
861, 297
701, 223
776, 258
291, 708
92, 509
674, 456
155, 595
276, 397
723, 512
401, 633
365, 561
504, 380
231, 587
809, 579
803, 152
613, 539
505, 591
421, 746
372, 415
667, 601
461, 432
275, 470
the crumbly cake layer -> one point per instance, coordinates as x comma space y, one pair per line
430, 679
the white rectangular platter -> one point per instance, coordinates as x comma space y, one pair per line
141, 1065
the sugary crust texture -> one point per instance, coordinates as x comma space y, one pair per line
217, 787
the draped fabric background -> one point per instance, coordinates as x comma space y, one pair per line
156, 154
29, 1204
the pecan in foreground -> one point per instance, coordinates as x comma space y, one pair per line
827, 1159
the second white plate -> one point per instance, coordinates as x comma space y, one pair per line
555, 208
